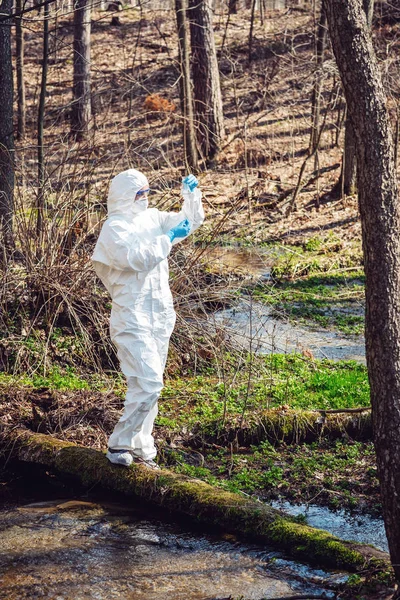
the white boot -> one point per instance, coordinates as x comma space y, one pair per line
120, 457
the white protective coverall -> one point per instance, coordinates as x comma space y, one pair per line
130, 258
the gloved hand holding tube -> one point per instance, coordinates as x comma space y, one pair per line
189, 183
179, 231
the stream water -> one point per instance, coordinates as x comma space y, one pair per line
250, 324
359, 528
72, 550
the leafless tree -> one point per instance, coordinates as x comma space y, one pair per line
81, 108
6, 132
380, 218
317, 87
206, 82
232, 7
252, 17
40, 132
189, 136
19, 42
348, 178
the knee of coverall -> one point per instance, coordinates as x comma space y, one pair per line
141, 359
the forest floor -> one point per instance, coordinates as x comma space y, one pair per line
316, 275
267, 120
196, 410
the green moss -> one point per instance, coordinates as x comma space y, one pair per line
304, 540
193, 497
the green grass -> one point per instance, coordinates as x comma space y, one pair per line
330, 301
64, 378
241, 386
294, 472
275, 380
318, 255
56, 379
320, 384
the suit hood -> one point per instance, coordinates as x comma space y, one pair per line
122, 192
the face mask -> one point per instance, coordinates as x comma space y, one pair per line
140, 205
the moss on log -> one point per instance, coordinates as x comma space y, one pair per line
201, 501
292, 426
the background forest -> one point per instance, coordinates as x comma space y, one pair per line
267, 391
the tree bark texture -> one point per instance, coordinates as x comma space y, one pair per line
189, 135
348, 176
6, 134
380, 218
81, 108
19, 42
184, 496
206, 83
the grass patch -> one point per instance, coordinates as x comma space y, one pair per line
239, 388
338, 474
64, 378
55, 379
249, 388
329, 301
318, 255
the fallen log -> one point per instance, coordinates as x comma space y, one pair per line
185, 496
291, 426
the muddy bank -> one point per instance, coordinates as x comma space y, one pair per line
186, 496
290, 426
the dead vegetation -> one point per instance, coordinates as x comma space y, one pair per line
136, 123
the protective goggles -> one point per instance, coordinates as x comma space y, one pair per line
141, 193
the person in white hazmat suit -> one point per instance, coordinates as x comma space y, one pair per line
131, 259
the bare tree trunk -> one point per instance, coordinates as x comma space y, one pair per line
6, 135
206, 82
232, 7
380, 219
348, 176
19, 41
189, 136
81, 108
253, 11
316, 93
40, 133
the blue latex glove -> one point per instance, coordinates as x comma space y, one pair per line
190, 183
179, 231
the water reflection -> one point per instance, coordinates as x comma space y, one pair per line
238, 261
56, 550
360, 528
252, 324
